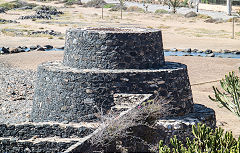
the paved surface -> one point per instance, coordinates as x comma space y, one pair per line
181, 10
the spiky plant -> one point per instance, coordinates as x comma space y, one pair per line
206, 140
229, 98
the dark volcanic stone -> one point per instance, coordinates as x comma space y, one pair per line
5, 50
33, 47
41, 49
48, 46
114, 48
99, 86
208, 51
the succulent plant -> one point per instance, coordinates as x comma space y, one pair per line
206, 140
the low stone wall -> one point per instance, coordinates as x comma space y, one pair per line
182, 126
55, 137
13, 146
145, 138
42, 137
64, 93
28, 130
113, 48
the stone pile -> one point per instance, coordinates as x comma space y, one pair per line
3, 21
44, 12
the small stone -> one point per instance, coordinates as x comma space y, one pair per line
208, 51
210, 55
33, 47
41, 49
89, 91
174, 50
27, 150
226, 51
188, 50
48, 46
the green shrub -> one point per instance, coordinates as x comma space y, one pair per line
108, 5
206, 140
230, 97
184, 3
161, 11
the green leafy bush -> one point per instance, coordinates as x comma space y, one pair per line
108, 5
206, 140
229, 98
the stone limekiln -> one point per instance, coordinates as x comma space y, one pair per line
101, 62
116, 69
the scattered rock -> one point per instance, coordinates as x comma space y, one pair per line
62, 48
199, 51
226, 51
43, 12
2, 10
41, 49
5, 50
33, 47
190, 14
208, 51
46, 32
3, 21
195, 50
188, 50
48, 10
173, 50
48, 47
210, 55
237, 52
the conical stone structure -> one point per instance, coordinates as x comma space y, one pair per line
101, 62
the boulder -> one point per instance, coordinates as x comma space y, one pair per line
190, 14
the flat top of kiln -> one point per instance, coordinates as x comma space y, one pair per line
116, 30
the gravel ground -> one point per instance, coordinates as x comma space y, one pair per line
16, 93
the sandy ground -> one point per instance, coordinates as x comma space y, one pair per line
203, 73
178, 31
